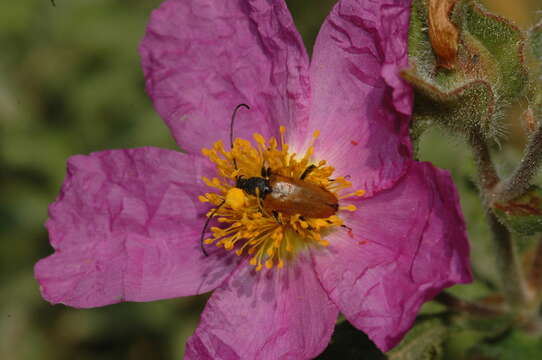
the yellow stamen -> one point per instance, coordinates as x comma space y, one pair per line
348, 207
355, 193
246, 226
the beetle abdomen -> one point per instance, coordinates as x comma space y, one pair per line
292, 196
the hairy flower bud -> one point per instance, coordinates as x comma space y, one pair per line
465, 84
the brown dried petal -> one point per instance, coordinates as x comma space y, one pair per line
442, 33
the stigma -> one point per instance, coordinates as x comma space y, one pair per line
270, 203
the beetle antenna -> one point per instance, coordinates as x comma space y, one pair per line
233, 119
231, 127
207, 224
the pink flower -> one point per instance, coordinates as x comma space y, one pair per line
127, 223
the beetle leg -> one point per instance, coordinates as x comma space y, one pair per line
265, 172
259, 200
276, 216
307, 171
260, 206
309, 226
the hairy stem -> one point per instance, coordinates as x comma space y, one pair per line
511, 276
520, 180
535, 274
487, 175
512, 279
474, 308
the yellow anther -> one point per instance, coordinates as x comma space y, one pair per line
203, 198
316, 134
235, 198
355, 193
259, 138
269, 264
348, 208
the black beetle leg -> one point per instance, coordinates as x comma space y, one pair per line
276, 216
307, 171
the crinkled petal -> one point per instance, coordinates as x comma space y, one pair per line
275, 314
359, 103
406, 245
201, 58
126, 226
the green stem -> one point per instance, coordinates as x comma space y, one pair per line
487, 175
474, 308
511, 276
520, 180
535, 274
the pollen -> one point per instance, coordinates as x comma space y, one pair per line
235, 198
269, 239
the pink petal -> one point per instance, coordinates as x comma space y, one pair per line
407, 244
359, 103
201, 58
126, 226
273, 314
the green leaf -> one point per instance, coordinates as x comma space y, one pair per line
535, 89
524, 214
505, 42
535, 40
423, 342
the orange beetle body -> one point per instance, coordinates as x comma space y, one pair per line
294, 196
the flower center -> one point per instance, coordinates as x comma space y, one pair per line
271, 203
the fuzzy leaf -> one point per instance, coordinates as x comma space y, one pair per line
505, 43
535, 40
423, 342
524, 214
535, 90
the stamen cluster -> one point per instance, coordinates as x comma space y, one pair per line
248, 227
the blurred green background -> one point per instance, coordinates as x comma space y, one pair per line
70, 83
